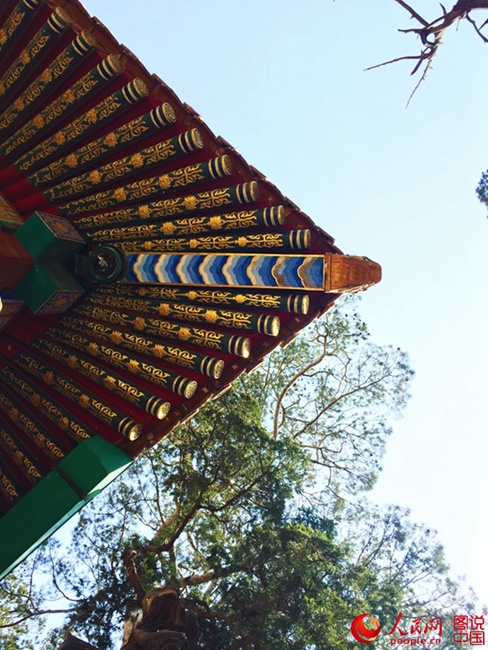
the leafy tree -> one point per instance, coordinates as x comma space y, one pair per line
244, 511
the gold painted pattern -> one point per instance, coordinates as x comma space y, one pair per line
195, 335
243, 219
160, 376
182, 312
7, 488
49, 407
94, 372
117, 169
169, 353
64, 386
99, 148
52, 112
19, 415
22, 461
69, 134
138, 191
165, 208
37, 87
262, 241
12, 24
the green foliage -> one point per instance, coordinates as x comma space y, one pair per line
482, 189
243, 510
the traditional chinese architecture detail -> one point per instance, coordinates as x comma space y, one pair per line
144, 265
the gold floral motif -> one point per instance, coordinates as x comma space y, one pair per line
83, 400
139, 323
69, 96
72, 361
3, 37
216, 223
143, 211
211, 316
48, 377
38, 121
91, 116
190, 202
24, 57
94, 176
137, 160
59, 138
109, 382
93, 348
116, 337
110, 139
47, 75
120, 194
184, 333
71, 160
133, 365
14, 414
164, 309
35, 399
164, 182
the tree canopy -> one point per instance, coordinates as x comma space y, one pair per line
251, 513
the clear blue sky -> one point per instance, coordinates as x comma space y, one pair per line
283, 82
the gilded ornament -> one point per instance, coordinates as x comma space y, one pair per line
116, 337
35, 399
139, 323
111, 139
59, 138
190, 202
46, 75
38, 121
120, 194
14, 414
3, 37
91, 116
211, 316
94, 176
71, 160
72, 361
192, 295
164, 182
19, 104
109, 382
137, 160
93, 348
24, 57
242, 242
69, 96
133, 365
158, 351
240, 299
48, 377
164, 309
143, 211
216, 223
168, 228
184, 333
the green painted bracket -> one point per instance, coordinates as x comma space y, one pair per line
79, 477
